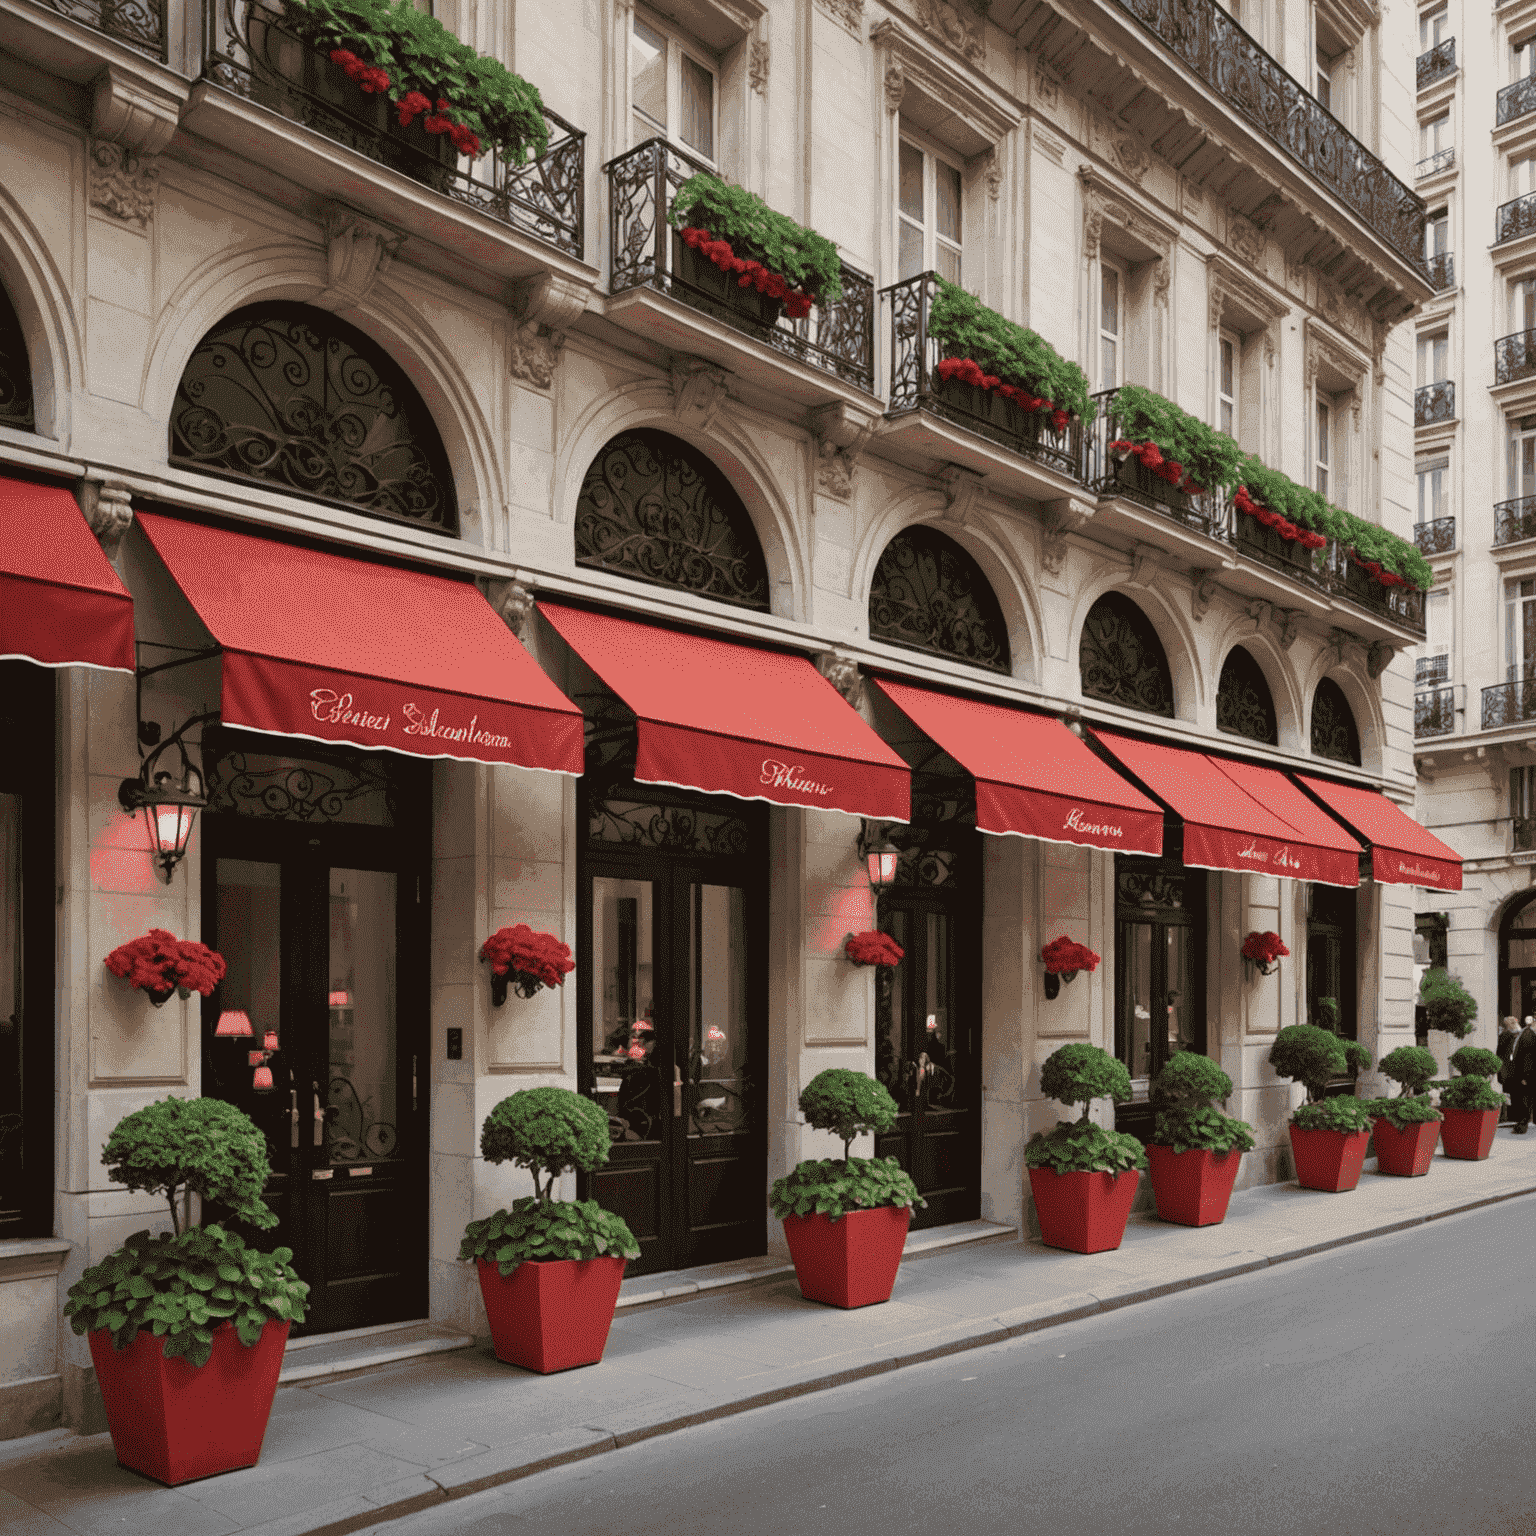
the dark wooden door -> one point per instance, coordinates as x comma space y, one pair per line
672, 1002
325, 932
928, 1050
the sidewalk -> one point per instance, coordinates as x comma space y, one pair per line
345, 1453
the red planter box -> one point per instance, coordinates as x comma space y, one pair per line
551, 1314
175, 1422
1083, 1212
1192, 1188
1407, 1152
1328, 1160
1468, 1133
850, 1262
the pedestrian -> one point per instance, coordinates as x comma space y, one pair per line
1509, 1035
1522, 1076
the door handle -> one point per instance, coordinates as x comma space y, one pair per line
293, 1114
677, 1091
320, 1117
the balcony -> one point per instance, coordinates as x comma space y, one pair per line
1434, 713
1515, 218
1442, 271
646, 254
1437, 537
1432, 165
1514, 357
1435, 65
1509, 703
1514, 520
1434, 402
141, 24
249, 54
1522, 834
1515, 101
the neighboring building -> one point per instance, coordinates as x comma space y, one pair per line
308, 386
1475, 423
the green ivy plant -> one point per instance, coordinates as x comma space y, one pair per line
420, 53
182, 1287
1448, 1006
1471, 1091
964, 327
1187, 1119
1209, 457
1344, 1113
1401, 1112
1412, 1067
848, 1104
1314, 1057
806, 260
1079, 1073
546, 1131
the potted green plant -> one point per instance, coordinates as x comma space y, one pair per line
1195, 1148
1448, 1006
549, 1269
1407, 1127
1163, 451
1328, 1136
1083, 1177
846, 1219
187, 1328
1471, 1105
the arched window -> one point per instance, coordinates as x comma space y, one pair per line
294, 397
655, 508
1121, 659
15, 371
1244, 704
929, 594
1333, 725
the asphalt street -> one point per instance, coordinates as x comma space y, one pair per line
1389, 1386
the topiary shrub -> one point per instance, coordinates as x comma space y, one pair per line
1078, 1074
1344, 1113
1312, 1057
1472, 1091
1448, 1006
1473, 1061
848, 1104
1400, 1113
1412, 1067
1187, 1119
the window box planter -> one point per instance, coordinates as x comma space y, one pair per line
1192, 1188
1468, 1133
1406, 1153
1328, 1160
850, 1262
176, 1422
551, 1314
1275, 548
1136, 477
699, 273
1083, 1212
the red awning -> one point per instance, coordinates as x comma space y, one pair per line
1402, 852
1241, 816
734, 719
326, 645
1033, 776
61, 603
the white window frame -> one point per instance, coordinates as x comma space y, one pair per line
1101, 335
1431, 138
1521, 170
1437, 231
1522, 303
1324, 477
1433, 356
933, 242
1522, 59
1322, 83
1228, 403
1517, 665
1434, 487
1432, 658
643, 127
1434, 28
1520, 435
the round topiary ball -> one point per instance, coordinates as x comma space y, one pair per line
1448, 1006
1412, 1066
848, 1104
1190, 1081
546, 1130
1080, 1073
1473, 1061
1309, 1055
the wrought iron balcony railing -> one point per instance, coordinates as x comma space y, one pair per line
1522, 834
1242, 74
645, 251
1515, 101
1437, 537
1432, 165
1514, 520
139, 23
1439, 62
1434, 712
1442, 271
248, 50
1509, 703
1514, 357
1514, 218
915, 385
1434, 402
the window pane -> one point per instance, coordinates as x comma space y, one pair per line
1109, 300
12, 1173
697, 89
1109, 371
946, 190
1226, 417
648, 67
362, 1091
948, 262
890, 1015
1138, 999
909, 255
911, 193
627, 1082
1322, 433
1228, 371
717, 1063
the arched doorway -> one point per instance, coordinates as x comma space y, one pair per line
1517, 958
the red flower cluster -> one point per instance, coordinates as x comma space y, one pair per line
413, 104
1282, 525
519, 951
159, 963
749, 274
873, 948
1166, 469
1263, 948
969, 371
1380, 573
1064, 954
368, 77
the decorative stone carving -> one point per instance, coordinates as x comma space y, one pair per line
129, 111
699, 393
1058, 518
108, 508
1337, 640
1378, 658
357, 252
1162, 273
1047, 86
962, 493
895, 86
1048, 144
844, 675
1259, 611
847, 13
532, 354
123, 183
757, 66
1202, 593
1132, 156
834, 470
994, 174
957, 25
1246, 238
1093, 230
551, 300
1289, 620
1144, 565
513, 600
841, 434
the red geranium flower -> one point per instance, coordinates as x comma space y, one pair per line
968, 371
532, 960
1063, 954
873, 948
1263, 948
159, 963
749, 274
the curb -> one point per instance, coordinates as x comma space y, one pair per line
442, 1487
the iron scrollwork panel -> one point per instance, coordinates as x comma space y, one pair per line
1509, 703
1436, 537
1514, 520
928, 593
139, 23
360, 793
681, 828
1514, 357
1516, 217
1244, 706
1334, 732
1122, 660
1434, 713
1434, 402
